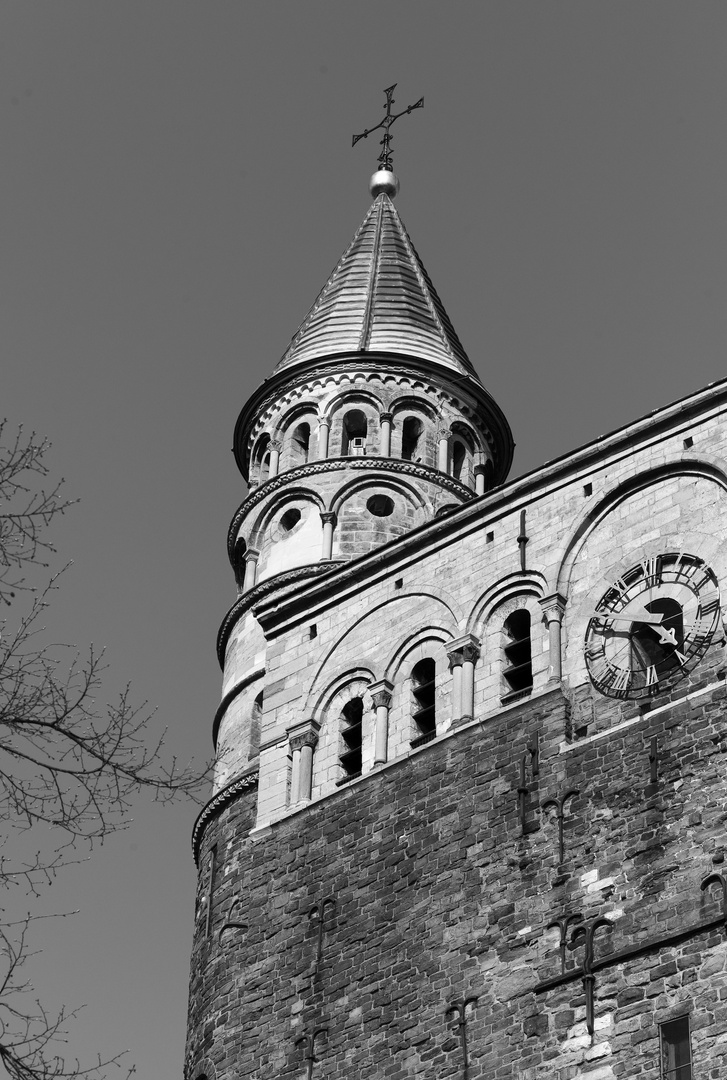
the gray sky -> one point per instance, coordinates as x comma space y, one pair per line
178, 182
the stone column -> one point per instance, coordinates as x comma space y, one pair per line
251, 558
303, 739
480, 478
324, 430
275, 448
381, 697
443, 457
455, 666
386, 420
463, 654
553, 610
329, 523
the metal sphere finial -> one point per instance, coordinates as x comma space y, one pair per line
384, 180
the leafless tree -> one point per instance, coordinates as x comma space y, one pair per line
66, 762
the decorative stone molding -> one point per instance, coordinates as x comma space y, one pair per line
217, 803
248, 599
370, 464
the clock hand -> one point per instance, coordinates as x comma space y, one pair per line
642, 616
666, 637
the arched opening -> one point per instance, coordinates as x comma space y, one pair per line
301, 443
238, 561
355, 430
517, 661
459, 456
351, 728
261, 459
423, 712
411, 431
290, 519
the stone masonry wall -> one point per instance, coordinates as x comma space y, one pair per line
434, 888
583, 529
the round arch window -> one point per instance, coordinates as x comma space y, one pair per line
290, 519
380, 505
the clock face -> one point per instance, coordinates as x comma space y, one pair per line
654, 623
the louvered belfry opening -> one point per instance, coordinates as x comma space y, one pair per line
518, 665
423, 681
352, 737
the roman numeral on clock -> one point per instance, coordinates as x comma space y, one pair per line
698, 642
620, 681
708, 607
688, 568
651, 568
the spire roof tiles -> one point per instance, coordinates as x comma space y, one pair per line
379, 299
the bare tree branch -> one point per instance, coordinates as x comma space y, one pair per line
67, 761
25, 510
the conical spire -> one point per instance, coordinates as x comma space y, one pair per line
379, 299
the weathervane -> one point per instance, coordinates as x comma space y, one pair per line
386, 153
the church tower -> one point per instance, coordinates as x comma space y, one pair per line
468, 808
373, 423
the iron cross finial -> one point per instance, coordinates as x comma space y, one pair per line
387, 152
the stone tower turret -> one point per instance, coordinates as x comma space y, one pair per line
374, 422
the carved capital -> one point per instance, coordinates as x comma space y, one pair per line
462, 650
381, 693
251, 555
324, 421
386, 417
275, 444
304, 734
553, 607
443, 433
328, 517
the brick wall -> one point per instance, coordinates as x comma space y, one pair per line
440, 894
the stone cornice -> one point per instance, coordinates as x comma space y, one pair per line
217, 803
358, 464
248, 599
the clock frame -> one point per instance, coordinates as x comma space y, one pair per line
652, 625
